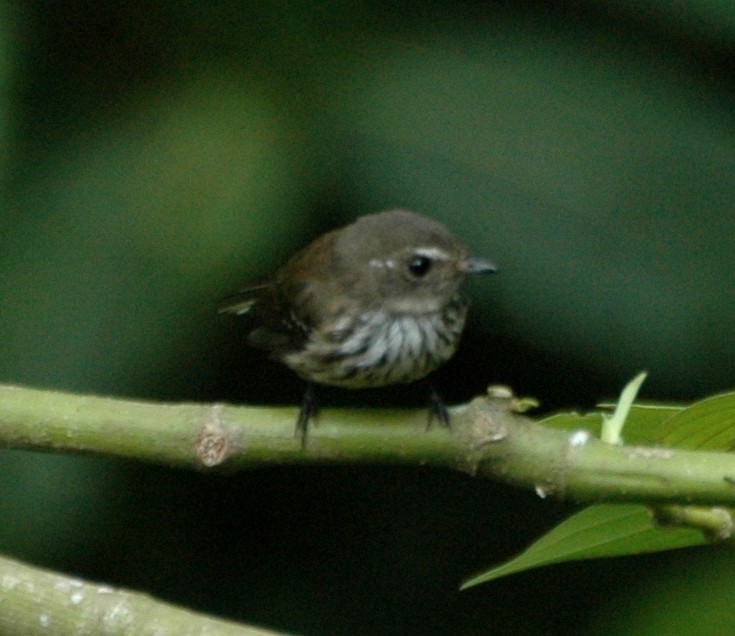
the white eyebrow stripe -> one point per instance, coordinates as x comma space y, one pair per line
433, 253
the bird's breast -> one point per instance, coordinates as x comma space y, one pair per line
377, 348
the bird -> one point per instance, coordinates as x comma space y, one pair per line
374, 303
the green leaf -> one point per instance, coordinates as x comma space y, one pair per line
643, 425
610, 530
604, 530
573, 421
706, 425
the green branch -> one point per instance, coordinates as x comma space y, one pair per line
37, 602
488, 438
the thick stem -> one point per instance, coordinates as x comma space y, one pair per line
37, 602
487, 438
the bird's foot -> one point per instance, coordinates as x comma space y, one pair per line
307, 414
437, 410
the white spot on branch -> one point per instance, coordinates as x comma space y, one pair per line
579, 438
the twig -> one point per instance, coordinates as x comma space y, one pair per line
37, 602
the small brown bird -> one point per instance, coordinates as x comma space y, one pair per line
374, 303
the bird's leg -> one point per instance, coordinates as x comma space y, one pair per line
437, 409
306, 414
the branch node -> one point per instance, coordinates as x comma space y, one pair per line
716, 522
490, 415
488, 431
213, 446
727, 524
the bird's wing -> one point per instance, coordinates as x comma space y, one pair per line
276, 323
243, 301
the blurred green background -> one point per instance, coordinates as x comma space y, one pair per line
157, 155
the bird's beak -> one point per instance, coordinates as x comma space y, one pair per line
476, 265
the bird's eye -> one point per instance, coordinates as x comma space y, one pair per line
419, 265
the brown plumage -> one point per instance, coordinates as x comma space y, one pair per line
374, 303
